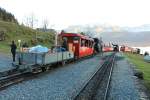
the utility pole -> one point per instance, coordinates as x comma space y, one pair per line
56, 37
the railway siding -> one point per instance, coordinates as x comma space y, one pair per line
60, 83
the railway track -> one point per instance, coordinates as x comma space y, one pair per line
89, 90
8, 72
109, 79
15, 76
13, 79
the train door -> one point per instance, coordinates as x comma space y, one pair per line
69, 41
76, 42
82, 48
73, 45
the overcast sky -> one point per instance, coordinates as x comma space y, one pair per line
63, 13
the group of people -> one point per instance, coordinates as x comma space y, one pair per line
13, 47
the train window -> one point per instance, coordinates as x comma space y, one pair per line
65, 38
86, 43
90, 44
82, 42
76, 38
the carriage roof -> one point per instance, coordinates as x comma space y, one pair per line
77, 35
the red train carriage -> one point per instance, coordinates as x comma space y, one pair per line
130, 49
126, 49
107, 48
79, 44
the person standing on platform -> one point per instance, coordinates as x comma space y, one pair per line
25, 45
13, 50
65, 45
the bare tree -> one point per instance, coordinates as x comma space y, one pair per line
45, 24
26, 21
31, 20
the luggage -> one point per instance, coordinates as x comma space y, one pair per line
38, 49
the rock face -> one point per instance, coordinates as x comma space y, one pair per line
2, 35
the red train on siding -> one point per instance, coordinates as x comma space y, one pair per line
79, 44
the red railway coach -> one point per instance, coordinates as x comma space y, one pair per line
79, 44
126, 49
107, 48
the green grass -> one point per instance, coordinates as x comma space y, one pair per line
139, 62
4, 47
17, 32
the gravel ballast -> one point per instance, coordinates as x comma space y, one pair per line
123, 86
60, 84
5, 63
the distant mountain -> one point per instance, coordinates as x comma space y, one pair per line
142, 28
132, 36
127, 38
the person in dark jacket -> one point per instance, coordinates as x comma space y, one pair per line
13, 50
64, 44
25, 45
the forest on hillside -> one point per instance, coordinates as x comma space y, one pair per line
7, 16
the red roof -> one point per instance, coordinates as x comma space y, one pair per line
77, 35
